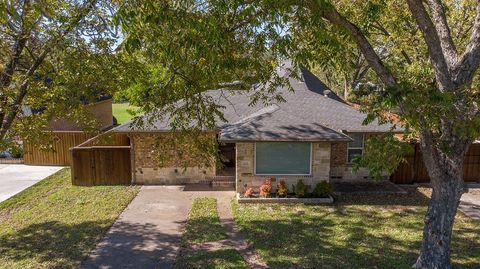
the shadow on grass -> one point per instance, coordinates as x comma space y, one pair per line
203, 229
52, 243
57, 245
224, 258
348, 235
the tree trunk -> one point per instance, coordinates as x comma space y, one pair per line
446, 174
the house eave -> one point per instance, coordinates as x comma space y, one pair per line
284, 140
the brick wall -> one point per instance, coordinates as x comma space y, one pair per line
339, 154
245, 159
147, 168
340, 170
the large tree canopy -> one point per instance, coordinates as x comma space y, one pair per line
54, 55
418, 59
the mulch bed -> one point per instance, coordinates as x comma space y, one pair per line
382, 187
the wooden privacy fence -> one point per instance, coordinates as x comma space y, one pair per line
102, 160
414, 170
59, 154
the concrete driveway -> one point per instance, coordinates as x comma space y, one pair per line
148, 233
470, 204
14, 178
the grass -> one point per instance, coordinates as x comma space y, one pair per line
203, 224
120, 112
220, 259
56, 225
356, 232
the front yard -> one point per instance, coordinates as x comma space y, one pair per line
203, 226
56, 225
356, 232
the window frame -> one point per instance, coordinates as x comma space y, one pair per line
255, 159
361, 148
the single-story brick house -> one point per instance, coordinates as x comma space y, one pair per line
312, 136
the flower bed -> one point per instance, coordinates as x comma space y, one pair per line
321, 194
290, 199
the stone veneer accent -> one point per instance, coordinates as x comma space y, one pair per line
245, 159
329, 163
147, 171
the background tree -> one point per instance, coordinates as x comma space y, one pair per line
54, 56
422, 58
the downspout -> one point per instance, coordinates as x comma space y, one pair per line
132, 159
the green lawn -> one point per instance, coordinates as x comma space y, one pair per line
56, 225
356, 232
203, 224
121, 112
220, 259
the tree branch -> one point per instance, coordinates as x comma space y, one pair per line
17, 48
332, 15
441, 24
15, 106
470, 60
435, 52
386, 33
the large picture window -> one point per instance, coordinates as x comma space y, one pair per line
282, 158
355, 148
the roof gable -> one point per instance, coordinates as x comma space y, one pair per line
311, 113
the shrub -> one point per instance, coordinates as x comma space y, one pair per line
16, 151
323, 189
249, 192
266, 188
300, 189
282, 189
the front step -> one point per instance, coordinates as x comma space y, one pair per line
222, 181
222, 178
223, 184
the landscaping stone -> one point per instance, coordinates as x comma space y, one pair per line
243, 200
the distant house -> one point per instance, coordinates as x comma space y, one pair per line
312, 136
67, 134
101, 110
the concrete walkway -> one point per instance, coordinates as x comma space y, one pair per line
234, 239
470, 204
148, 233
14, 178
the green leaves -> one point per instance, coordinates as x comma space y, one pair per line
184, 48
69, 46
382, 155
132, 44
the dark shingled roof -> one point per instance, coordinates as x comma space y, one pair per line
311, 112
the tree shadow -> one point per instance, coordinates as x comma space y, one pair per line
203, 229
344, 237
52, 242
133, 245
59, 245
